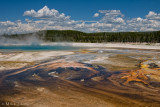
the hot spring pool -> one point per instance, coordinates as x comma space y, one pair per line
37, 47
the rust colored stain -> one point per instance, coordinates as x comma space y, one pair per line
140, 75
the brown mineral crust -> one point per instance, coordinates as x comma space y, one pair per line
69, 64
127, 88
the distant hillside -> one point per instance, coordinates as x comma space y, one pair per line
77, 36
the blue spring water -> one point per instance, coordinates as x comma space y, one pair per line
38, 47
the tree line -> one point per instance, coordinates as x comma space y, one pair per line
77, 36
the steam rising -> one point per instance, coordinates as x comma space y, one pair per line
30, 40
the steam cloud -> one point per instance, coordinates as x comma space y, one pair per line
30, 40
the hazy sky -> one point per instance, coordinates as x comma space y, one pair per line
22, 16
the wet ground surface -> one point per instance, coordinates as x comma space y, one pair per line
92, 78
